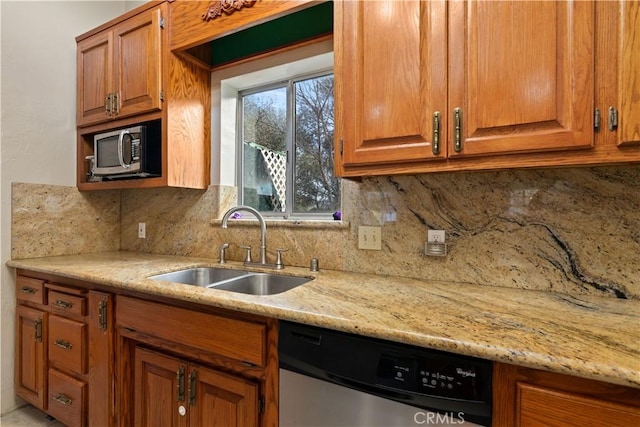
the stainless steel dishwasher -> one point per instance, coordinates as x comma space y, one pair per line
331, 379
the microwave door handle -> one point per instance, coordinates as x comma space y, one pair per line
120, 153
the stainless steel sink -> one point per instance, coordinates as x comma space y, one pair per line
201, 276
261, 284
241, 281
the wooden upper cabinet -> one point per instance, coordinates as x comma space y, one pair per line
521, 76
629, 75
389, 81
95, 77
468, 85
138, 62
120, 69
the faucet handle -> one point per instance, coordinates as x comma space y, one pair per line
223, 253
279, 263
248, 257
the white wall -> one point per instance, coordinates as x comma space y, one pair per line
37, 119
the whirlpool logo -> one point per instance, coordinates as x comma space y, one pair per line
433, 418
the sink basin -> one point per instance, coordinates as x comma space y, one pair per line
201, 276
233, 280
261, 284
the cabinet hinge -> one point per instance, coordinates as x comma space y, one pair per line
341, 146
596, 119
162, 23
38, 330
261, 405
161, 95
613, 119
102, 314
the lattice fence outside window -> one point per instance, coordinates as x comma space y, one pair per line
276, 162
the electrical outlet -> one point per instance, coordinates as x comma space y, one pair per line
370, 238
436, 236
142, 230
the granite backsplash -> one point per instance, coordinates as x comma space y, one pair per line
573, 230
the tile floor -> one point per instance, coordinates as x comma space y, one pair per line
28, 416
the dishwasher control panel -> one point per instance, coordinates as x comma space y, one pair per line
444, 376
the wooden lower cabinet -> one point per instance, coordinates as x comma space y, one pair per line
189, 365
30, 355
526, 397
172, 391
64, 349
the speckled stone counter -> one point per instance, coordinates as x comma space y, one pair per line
591, 337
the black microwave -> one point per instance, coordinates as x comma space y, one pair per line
127, 153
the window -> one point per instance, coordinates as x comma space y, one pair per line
285, 145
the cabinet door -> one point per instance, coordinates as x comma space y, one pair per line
221, 400
30, 364
629, 76
100, 350
137, 62
540, 406
95, 78
522, 75
390, 70
159, 388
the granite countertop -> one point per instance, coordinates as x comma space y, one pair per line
590, 337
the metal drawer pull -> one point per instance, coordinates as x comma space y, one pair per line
63, 304
28, 290
63, 399
63, 344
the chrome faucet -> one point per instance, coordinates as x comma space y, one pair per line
263, 228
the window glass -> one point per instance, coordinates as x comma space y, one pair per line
286, 141
264, 148
316, 187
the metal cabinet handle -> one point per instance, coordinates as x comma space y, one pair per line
65, 345
435, 148
180, 381
193, 377
63, 304
28, 290
457, 130
63, 399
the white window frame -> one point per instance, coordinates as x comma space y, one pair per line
227, 82
288, 85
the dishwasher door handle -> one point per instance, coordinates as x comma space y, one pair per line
312, 339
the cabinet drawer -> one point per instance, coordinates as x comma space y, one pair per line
66, 304
31, 290
67, 346
66, 398
238, 339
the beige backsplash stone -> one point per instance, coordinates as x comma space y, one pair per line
49, 220
574, 230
